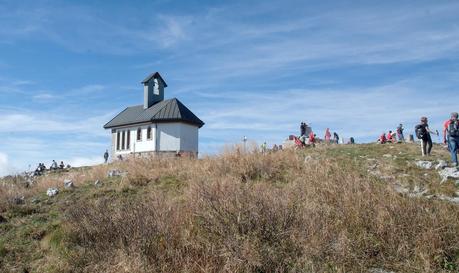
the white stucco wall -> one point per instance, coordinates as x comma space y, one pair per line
189, 138
145, 144
167, 137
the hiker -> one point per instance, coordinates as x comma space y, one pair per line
423, 133
312, 138
106, 156
263, 148
351, 140
61, 166
38, 170
275, 148
400, 136
382, 139
302, 129
327, 136
335, 138
451, 136
53, 165
390, 137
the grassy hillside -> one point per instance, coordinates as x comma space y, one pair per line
359, 208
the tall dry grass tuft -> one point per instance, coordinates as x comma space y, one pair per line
248, 212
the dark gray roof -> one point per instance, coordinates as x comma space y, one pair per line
164, 111
154, 75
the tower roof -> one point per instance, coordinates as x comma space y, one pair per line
153, 76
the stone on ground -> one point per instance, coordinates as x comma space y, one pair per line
114, 173
52, 192
448, 173
441, 165
68, 184
424, 164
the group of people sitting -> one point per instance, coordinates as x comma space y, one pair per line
307, 136
392, 137
41, 169
275, 148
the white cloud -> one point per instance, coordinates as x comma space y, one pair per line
27, 121
44, 96
5, 167
85, 161
172, 31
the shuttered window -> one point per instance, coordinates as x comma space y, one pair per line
118, 140
128, 142
149, 132
123, 140
139, 134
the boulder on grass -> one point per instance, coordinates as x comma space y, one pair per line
424, 164
52, 192
114, 173
441, 165
448, 173
68, 184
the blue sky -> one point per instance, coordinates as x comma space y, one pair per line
254, 68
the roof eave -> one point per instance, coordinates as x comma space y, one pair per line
199, 125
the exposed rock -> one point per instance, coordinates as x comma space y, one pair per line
424, 164
97, 183
400, 189
441, 165
376, 173
386, 177
448, 173
18, 200
373, 167
114, 173
387, 155
52, 192
307, 158
450, 199
379, 270
35, 200
418, 192
68, 184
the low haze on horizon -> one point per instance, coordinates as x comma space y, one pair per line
258, 69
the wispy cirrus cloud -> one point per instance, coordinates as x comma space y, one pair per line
90, 31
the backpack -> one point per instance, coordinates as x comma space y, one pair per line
420, 131
453, 129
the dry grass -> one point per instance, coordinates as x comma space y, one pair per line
240, 212
272, 213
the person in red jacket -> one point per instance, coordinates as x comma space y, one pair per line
382, 139
389, 137
311, 137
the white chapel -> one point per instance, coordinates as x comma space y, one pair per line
157, 127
